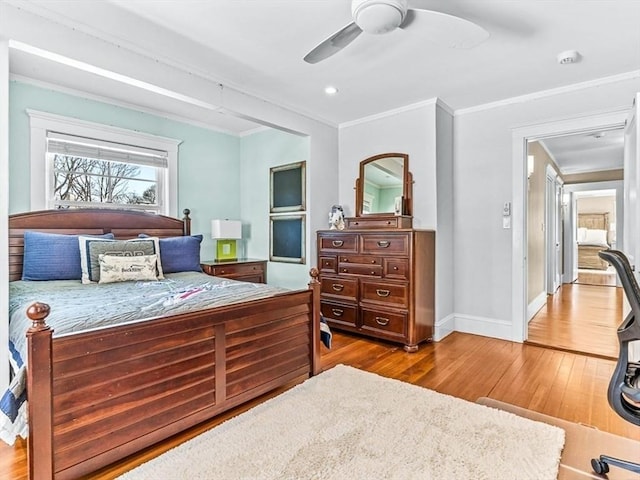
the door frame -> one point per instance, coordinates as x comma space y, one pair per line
520, 137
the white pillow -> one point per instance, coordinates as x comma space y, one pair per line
596, 237
114, 268
582, 234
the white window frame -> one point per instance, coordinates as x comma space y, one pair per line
42, 171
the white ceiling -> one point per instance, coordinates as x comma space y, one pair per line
257, 46
587, 152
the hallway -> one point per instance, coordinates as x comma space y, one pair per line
580, 318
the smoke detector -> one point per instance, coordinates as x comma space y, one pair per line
568, 56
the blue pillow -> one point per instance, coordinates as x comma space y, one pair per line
180, 254
52, 256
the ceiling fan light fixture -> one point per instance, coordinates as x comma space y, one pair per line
379, 16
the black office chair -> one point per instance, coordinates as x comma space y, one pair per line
624, 387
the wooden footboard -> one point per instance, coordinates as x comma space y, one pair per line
99, 396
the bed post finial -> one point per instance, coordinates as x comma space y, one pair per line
38, 313
186, 222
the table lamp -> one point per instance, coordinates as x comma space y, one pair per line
226, 233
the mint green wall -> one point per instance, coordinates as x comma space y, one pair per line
208, 161
258, 153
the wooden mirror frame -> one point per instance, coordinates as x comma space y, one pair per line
407, 190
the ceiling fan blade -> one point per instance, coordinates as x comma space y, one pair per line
409, 18
334, 43
448, 30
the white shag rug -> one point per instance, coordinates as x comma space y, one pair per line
350, 424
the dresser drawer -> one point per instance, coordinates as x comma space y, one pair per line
357, 269
360, 259
327, 265
384, 244
338, 313
396, 268
386, 293
338, 243
381, 321
387, 221
339, 288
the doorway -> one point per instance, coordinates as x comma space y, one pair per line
579, 220
523, 138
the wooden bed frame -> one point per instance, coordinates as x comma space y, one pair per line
588, 257
102, 395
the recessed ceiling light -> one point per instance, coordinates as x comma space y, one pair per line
330, 90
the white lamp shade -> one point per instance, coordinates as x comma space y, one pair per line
226, 229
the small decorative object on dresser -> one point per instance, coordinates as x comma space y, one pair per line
336, 218
244, 269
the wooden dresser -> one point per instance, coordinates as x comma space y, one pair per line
379, 283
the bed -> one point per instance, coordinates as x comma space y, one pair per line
592, 238
107, 391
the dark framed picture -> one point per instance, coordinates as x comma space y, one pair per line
287, 238
288, 190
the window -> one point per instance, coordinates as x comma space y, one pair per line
87, 172
93, 165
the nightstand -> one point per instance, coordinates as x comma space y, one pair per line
244, 269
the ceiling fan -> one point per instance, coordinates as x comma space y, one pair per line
382, 16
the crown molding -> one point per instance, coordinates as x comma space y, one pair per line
395, 111
550, 92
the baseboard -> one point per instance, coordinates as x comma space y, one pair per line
487, 327
535, 305
444, 327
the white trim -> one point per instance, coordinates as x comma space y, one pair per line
444, 327
127, 105
535, 305
395, 111
520, 136
487, 327
4, 210
41, 122
550, 92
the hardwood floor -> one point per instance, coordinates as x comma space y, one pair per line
580, 318
566, 385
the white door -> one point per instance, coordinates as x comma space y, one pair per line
631, 233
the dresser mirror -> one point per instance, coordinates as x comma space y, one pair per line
384, 186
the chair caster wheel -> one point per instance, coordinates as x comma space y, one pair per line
599, 466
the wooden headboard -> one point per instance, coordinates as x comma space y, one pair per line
90, 221
594, 221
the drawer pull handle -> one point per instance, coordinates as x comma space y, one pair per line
327, 264
338, 287
384, 243
395, 268
345, 270
345, 260
382, 293
373, 261
338, 312
382, 321
337, 243
373, 273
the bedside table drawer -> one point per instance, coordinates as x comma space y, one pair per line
244, 270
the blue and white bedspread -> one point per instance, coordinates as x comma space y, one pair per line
76, 307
